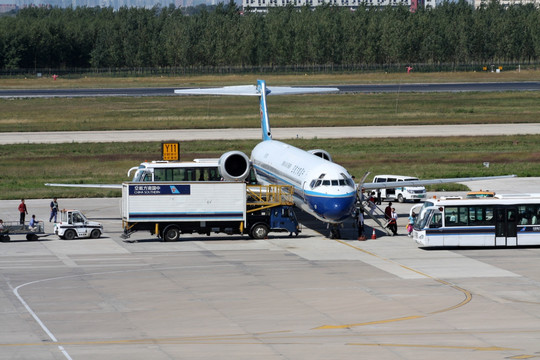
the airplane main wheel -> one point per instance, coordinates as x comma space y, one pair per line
259, 231
171, 233
95, 234
69, 235
335, 233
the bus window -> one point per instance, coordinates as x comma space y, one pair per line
451, 215
146, 177
436, 221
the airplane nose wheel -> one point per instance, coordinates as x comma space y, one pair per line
335, 233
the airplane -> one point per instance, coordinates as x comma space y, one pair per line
322, 188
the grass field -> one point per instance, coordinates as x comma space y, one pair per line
26, 167
186, 112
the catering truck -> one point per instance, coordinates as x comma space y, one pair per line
169, 209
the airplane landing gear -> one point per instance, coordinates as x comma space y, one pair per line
335, 232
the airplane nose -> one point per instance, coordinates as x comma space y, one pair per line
336, 209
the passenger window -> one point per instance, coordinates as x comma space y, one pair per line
451, 215
379, 180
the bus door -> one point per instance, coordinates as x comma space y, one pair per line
505, 226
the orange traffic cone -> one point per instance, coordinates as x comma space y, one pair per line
373, 235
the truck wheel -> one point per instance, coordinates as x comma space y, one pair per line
171, 233
31, 237
95, 234
259, 231
69, 235
400, 198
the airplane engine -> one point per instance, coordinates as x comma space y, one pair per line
234, 166
321, 153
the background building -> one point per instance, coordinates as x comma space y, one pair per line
263, 5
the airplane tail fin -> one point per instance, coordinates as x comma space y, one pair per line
265, 123
260, 90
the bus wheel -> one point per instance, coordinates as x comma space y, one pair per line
69, 235
171, 233
95, 234
400, 198
259, 231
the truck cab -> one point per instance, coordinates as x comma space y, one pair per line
276, 219
73, 224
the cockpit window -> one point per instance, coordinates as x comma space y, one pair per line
347, 180
335, 183
318, 183
326, 182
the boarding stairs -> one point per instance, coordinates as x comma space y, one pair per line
376, 213
370, 209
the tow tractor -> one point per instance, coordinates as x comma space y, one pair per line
73, 224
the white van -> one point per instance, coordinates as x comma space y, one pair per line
401, 194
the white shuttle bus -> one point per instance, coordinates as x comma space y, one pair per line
479, 222
196, 170
401, 194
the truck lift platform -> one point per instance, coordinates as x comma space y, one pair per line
260, 197
15, 228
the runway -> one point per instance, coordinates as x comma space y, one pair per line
360, 88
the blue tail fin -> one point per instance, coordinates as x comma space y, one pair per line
265, 123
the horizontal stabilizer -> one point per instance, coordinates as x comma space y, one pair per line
251, 90
396, 184
103, 186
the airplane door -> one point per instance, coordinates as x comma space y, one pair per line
506, 226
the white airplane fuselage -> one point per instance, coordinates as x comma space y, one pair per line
322, 188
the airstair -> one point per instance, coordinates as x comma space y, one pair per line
370, 209
376, 213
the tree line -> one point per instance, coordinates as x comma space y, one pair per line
225, 36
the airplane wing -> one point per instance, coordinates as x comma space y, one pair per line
103, 186
252, 90
396, 184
